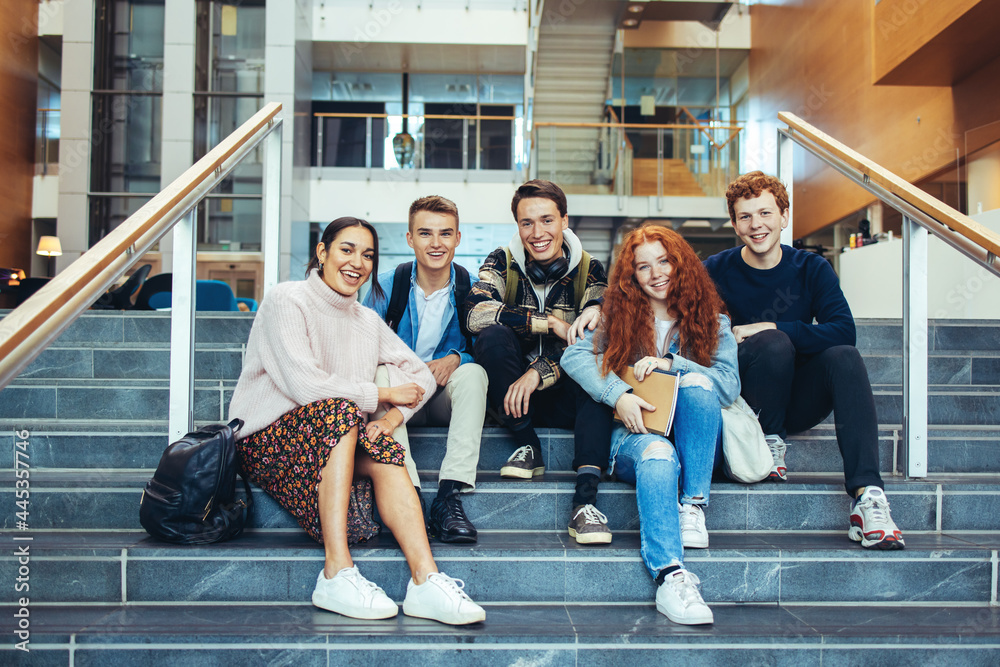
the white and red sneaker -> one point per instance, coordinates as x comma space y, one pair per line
777, 446
871, 523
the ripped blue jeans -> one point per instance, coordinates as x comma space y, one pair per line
655, 466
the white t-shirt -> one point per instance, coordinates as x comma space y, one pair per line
434, 311
662, 335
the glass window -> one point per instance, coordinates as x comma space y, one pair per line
127, 110
229, 89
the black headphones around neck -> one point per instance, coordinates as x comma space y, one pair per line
554, 270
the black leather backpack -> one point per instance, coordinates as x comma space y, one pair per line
191, 498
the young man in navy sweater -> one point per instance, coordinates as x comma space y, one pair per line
797, 354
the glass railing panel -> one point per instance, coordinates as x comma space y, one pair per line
377, 141
607, 158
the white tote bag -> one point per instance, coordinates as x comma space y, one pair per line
746, 455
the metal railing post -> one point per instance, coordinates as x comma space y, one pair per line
552, 154
368, 145
320, 121
182, 324
786, 174
620, 176
659, 169
271, 207
465, 149
915, 347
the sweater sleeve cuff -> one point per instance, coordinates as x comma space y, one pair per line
539, 324
369, 398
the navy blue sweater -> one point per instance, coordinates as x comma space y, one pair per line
801, 295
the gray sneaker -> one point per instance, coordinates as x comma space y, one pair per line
589, 526
524, 463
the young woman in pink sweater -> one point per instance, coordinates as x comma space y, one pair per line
305, 393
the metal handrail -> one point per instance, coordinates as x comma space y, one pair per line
31, 327
922, 215
942, 220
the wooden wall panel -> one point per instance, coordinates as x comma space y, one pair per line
902, 28
813, 57
18, 93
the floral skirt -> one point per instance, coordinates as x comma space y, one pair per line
287, 458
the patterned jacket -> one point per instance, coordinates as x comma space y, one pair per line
485, 304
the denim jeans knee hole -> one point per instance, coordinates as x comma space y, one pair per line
658, 450
696, 380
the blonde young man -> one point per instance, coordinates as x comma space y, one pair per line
431, 322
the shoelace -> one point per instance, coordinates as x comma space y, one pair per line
522, 453
456, 586
777, 448
689, 516
685, 584
364, 586
454, 504
591, 515
877, 509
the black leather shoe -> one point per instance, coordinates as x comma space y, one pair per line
448, 521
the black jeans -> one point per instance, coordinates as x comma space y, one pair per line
563, 405
795, 397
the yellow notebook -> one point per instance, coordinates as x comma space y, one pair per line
660, 389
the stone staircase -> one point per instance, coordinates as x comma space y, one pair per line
785, 583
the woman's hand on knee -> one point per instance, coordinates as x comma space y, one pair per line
378, 428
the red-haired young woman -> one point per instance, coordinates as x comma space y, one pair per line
661, 311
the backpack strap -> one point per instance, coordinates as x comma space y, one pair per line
463, 283
400, 292
510, 293
580, 282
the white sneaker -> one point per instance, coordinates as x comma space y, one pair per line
679, 600
779, 473
441, 598
350, 594
872, 524
694, 535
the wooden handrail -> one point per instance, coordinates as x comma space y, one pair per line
875, 173
27, 330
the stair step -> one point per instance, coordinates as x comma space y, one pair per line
79, 399
71, 500
556, 634
512, 568
139, 444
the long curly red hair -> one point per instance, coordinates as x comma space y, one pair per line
627, 332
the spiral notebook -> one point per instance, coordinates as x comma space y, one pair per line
660, 389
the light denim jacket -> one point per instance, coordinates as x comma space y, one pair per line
452, 341
583, 363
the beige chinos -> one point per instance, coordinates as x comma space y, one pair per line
461, 406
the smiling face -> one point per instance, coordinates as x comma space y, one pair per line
652, 272
758, 223
347, 262
434, 239
541, 229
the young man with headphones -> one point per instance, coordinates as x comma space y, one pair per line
533, 297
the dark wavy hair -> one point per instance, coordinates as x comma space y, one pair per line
330, 235
627, 332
